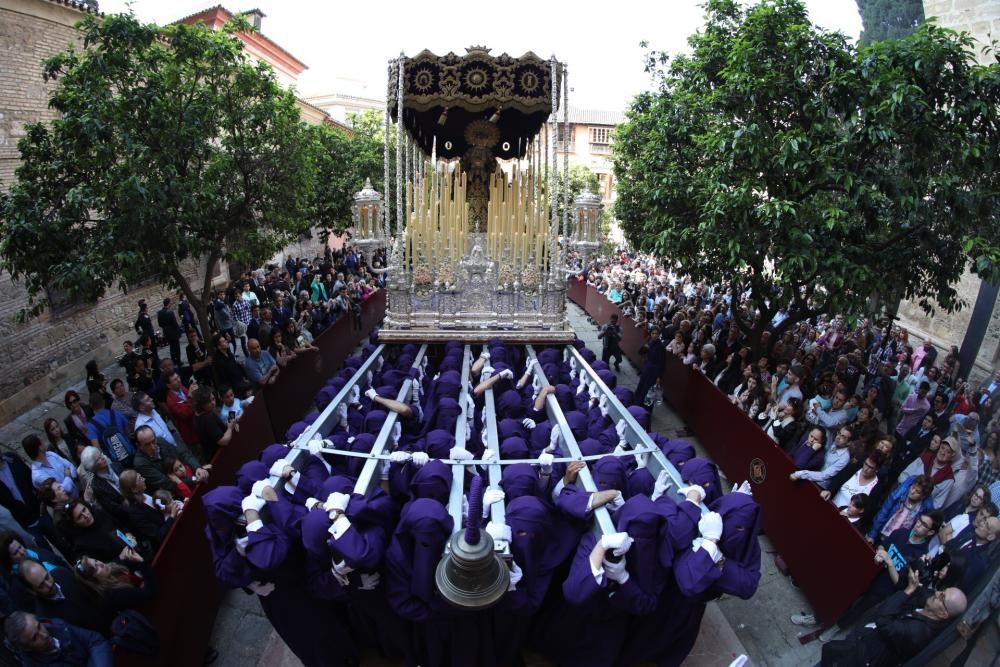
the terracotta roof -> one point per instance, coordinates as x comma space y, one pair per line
219, 8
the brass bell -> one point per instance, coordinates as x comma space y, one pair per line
471, 575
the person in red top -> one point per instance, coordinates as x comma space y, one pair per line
181, 409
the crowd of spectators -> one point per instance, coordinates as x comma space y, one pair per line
887, 429
86, 504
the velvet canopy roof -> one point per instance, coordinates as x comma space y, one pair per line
444, 95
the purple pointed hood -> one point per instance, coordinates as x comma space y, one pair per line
374, 420
250, 472
577, 424
641, 415
703, 472
519, 479
509, 405
609, 473
222, 507
421, 534
272, 453
644, 523
295, 430
740, 527
608, 378
432, 481
640, 482
625, 395
438, 443
591, 447
514, 448
565, 398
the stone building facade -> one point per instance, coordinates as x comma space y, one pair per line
981, 19
50, 351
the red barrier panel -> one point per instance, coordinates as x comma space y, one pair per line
829, 559
184, 611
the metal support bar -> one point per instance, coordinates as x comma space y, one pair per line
326, 420
603, 525
458, 469
635, 435
497, 510
371, 474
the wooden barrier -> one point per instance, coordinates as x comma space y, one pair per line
184, 611
830, 561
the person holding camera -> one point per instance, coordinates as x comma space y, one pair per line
903, 625
611, 334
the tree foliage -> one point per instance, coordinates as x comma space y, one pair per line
782, 158
172, 145
889, 19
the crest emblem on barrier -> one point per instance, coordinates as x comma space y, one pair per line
758, 471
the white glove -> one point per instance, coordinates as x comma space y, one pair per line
580, 388
369, 581
620, 428
260, 589
485, 355
397, 433
515, 576
368, 378
437, 376
620, 448
507, 373
743, 488
641, 460
315, 445
486, 372
336, 501
616, 571
572, 374
311, 503
545, 461
253, 503
536, 384
617, 542
490, 455
500, 532
399, 457
355, 394
592, 388
661, 485
460, 454
531, 363
257, 490
492, 496
371, 394
277, 468
684, 490
342, 414
617, 502
555, 437
572, 362
528, 423
603, 401
710, 526
420, 459
342, 567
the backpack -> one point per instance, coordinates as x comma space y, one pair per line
131, 631
114, 442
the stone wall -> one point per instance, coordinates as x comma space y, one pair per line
979, 18
44, 355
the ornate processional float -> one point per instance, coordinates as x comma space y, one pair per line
476, 242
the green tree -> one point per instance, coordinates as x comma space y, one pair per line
172, 146
889, 19
780, 158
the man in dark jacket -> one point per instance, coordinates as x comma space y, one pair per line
611, 334
143, 323
55, 642
167, 319
57, 593
150, 457
17, 493
656, 359
903, 625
